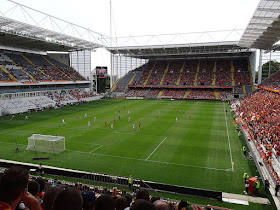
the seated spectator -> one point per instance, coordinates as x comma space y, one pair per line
142, 204
49, 197
121, 203
128, 198
104, 202
33, 188
184, 205
42, 184
143, 194
88, 200
161, 205
13, 185
68, 199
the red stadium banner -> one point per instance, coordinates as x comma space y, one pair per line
177, 86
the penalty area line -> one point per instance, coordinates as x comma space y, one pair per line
156, 148
97, 148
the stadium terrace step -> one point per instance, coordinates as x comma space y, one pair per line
166, 70
10, 75
214, 73
49, 62
216, 94
244, 90
187, 93
150, 73
132, 79
232, 73
197, 71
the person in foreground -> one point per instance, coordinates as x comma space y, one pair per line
13, 189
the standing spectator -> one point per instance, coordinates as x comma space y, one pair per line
244, 150
245, 176
42, 184
277, 188
247, 187
13, 185
130, 181
40, 168
258, 184
266, 185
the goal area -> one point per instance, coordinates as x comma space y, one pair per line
46, 143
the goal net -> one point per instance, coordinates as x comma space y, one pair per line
46, 143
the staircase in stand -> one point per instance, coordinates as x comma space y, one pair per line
181, 73
197, 71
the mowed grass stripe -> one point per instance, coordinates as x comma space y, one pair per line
178, 137
218, 151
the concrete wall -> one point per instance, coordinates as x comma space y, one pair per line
62, 58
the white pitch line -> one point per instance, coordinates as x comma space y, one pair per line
156, 148
78, 151
96, 148
151, 161
161, 162
228, 140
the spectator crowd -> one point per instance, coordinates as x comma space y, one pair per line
259, 114
20, 191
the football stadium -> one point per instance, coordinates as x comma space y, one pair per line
173, 121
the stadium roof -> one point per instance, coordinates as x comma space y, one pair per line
184, 51
17, 34
27, 28
263, 31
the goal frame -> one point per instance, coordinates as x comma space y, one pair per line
50, 144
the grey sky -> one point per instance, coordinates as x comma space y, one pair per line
148, 17
142, 17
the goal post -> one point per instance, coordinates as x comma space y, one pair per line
46, 143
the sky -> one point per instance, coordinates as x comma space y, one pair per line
142, 17
148, 17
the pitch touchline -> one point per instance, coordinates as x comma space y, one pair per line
228, 140
156, 148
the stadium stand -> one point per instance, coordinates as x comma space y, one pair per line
258, 113
32, 67
272, 82
20, 105
48, 99
189, 73
223, 75
205, 73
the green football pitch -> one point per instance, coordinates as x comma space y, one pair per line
201, 151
